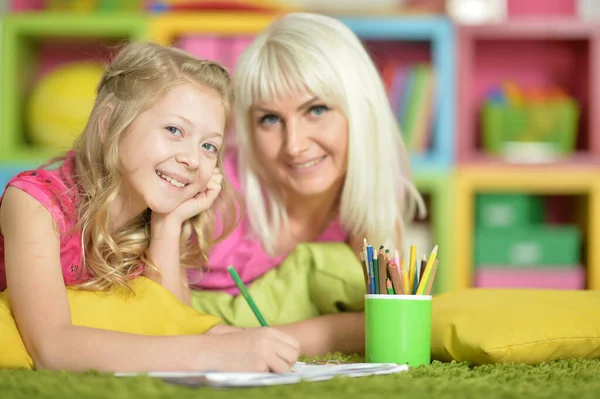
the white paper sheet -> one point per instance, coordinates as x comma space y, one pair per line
300, 372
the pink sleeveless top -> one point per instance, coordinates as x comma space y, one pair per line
244, 251
56, 191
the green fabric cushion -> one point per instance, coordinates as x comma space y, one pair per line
315, 279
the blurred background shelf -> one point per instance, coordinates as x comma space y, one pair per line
35, 43
534, 54
437, 187
579, 190
399, 43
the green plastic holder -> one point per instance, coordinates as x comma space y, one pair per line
398, 329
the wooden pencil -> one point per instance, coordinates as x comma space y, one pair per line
405, 279
390, 288
382, 265
395, 276
431, 277
365, 268
423, 266
419, 273
412, 263
425, 279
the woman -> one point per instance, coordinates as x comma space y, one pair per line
320, 158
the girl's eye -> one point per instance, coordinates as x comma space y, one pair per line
318, 110
210, 147
175, 131
268, 119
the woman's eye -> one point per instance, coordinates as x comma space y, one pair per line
210, 147
175, 131
318, 110
269, 119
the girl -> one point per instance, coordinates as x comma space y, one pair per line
320, 158
133, 197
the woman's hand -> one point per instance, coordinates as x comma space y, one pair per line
195, 205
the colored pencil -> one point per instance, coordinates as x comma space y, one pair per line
390, 289
411, 267
382, 266
423, 283
431, 278
240, 284
396, 278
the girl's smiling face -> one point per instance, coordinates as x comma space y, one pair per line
302, 143
171, 149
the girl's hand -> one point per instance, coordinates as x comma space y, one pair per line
259, 349
195, 205
223, 329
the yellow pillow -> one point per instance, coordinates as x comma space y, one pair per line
152, 311
515, 325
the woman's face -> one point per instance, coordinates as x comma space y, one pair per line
302, 143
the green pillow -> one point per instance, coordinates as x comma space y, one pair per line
315, 279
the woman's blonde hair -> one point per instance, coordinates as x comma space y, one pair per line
303, 52
138, 76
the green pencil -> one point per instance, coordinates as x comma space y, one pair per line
246, 294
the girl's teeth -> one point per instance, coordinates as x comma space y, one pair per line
174, 182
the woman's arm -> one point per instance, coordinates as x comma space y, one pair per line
355, 243
42, 312
339, 332
164, 249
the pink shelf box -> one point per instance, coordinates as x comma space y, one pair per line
543, 278
225, 50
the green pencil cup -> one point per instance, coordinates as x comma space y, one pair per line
398, 329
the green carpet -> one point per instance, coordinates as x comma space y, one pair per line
562, 379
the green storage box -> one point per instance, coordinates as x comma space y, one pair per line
508, 210
544, 246
550, 122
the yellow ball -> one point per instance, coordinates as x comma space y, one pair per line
61, 102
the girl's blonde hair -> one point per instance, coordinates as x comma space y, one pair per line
139, 75
309, 52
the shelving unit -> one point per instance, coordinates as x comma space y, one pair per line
553, 180
166, 29
439, 187
34, 42
533, 52
388, 38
